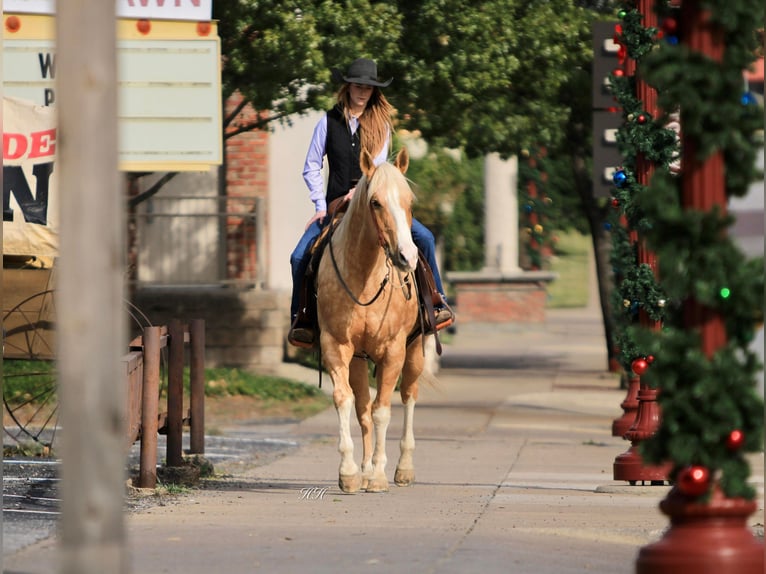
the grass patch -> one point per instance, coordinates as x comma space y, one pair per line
22, 379
571, 262
35, 381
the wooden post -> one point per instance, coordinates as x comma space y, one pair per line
175, 393
90, 307
150, 397
197, 386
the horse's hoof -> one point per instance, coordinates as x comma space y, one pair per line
377, 485
404, 477
350, 483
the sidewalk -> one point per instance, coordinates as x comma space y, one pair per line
513, 474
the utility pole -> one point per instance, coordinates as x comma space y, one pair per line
91, 332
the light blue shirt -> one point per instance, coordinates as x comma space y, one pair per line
312, 168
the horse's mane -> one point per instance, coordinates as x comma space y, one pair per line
384, 173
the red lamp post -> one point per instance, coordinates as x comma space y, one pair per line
630, 466
708, 537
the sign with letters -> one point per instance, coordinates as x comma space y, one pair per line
30, 198
169, 89
196, 10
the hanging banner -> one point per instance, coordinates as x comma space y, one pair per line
197, 10
30, 193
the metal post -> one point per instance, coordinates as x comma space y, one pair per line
150, 397
197, 386
175, 393
91, 321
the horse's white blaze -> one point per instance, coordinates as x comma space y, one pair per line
407, 443
381, 417
405, 244
345, 443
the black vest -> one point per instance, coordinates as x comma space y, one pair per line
342, 151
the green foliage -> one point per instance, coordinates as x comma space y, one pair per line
223, 382
22, 378
571, 264
278, 54
481, 76
450, 201
486, 76
706, 393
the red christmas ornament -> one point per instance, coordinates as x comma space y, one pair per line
641, 119
735, 440
650, 359
615, 202
618, 73
670, 25
622, 53
639, 366
693, 480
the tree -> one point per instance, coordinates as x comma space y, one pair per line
486, 76
278, 54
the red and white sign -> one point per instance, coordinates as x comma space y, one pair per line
196, 10
30, 191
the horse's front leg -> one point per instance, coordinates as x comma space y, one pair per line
381, 417
349, 479
360, 385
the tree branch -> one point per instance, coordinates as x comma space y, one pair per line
133, 201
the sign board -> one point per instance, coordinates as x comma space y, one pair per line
606, 154
604, 63
196, 10
169, 92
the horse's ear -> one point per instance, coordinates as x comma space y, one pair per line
402, 161
366, 163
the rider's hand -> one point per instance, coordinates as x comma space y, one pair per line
318, 216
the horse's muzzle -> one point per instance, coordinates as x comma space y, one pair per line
405, 259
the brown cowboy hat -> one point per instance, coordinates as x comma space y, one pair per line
361, 71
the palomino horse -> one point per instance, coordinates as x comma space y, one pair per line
367, 307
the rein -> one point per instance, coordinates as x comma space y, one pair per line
381, 242
346, 287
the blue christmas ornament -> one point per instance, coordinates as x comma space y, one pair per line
748, 99
672, 40
619, 178
528, 208
608, 226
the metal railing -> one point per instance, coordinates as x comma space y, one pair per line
194, 240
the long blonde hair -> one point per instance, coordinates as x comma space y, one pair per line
376, 120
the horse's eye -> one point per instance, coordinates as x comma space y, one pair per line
375, 204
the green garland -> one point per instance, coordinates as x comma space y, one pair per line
537, 236
636, 287
703, 399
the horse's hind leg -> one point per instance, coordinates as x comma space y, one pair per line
405, 468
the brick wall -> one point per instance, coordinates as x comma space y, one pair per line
500, 303
247, 175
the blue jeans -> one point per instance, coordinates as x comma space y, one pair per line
300, 257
